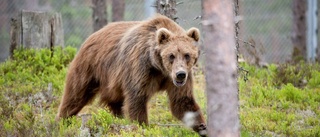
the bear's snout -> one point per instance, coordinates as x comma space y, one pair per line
181, 75
180, 78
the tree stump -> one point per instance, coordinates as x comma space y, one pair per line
36, 30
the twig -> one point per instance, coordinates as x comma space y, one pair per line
245, 42
178, 3
198, 17
246, 73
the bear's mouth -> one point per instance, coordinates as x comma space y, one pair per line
179, 83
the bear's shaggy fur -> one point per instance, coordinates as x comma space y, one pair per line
128, 62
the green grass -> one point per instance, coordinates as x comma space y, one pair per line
275, 101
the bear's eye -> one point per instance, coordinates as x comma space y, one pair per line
187, 57
171, 58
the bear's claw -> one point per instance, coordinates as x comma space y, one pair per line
202, 130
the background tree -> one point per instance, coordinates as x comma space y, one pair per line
99, 14
220, 68
167, 8
299, 31
7, 10
118, 7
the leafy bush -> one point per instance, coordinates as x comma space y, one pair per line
296, 74
37, 67
26, 102
314, 81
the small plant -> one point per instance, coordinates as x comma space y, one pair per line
297, 74
314, 81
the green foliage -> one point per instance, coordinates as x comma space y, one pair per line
36, 67
271, 101
113, 126
297, 74
26, 105
314, 81
291, 93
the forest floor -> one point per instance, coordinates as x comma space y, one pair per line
278, 100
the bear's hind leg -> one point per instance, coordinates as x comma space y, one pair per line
73, 101
116, 108
113, 99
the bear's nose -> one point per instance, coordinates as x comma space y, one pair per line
181, 75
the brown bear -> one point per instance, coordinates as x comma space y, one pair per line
128, 62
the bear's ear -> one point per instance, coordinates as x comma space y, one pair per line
194, 33
163, 35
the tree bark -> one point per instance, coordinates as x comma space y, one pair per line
299, 33
8, 9
220, 68
237, 27
99, 14
118, 7
167, 8
13, 34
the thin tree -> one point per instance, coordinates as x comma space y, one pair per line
299, 31
8, 9
220, 68
118, 7
99, 14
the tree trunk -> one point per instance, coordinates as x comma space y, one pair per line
237, 27
99, 14
220, 68
13, 34
118, 7
299, 33
167, 8
8, 9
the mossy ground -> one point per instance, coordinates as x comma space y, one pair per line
275, 101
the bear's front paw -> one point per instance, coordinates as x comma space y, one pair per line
201, 129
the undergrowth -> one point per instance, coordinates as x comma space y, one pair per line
279, 100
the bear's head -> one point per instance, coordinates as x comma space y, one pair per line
178, 53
